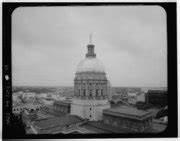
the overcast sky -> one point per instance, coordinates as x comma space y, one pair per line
49, 42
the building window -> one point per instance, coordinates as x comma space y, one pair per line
102, 92
79, 92
90, 92
90, 84
84, 92
96, 92
90, 109
89, 115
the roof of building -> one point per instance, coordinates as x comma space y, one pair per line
132, 94
90, 65
63, 102
52, 111
158, 91
128, 112
94, 129
57, 121
100, 127
76, 132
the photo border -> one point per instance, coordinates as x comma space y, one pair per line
172, 128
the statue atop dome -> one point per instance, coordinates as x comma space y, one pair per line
90, 38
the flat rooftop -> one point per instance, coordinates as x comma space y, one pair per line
127, 111
100, 127
55, 122
64, 102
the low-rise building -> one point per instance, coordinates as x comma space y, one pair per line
56, 125
128, 117
18, 108
156, 97
63, 106
132, 98
140, 97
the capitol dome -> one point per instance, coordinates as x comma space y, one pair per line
90, 87
90, 65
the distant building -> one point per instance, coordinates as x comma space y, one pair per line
127, 117
26, 106
62, 106
48, 101
140, 96
156, 97
136, 97
132, 98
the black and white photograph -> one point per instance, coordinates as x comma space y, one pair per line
89, 69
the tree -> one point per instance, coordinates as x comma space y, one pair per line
17, 126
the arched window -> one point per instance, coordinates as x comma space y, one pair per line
96, 92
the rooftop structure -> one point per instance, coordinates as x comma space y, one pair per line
102, 128
157, 97
128, 117
128, 112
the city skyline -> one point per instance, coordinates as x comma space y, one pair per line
49, 42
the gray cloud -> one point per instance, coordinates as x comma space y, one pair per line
48, 43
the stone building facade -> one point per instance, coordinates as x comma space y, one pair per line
157, 97
62, 106
129, 118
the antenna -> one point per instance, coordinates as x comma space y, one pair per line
90, 38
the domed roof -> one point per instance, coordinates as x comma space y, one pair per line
90, 65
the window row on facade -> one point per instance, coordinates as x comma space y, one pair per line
84, 92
